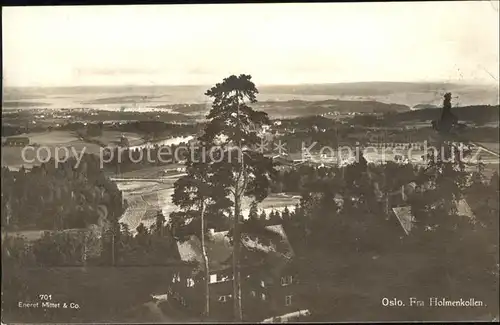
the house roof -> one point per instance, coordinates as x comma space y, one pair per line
282, 160
219, 248
405, 217
463, 209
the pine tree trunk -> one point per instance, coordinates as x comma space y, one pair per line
238, 315
205, 261
236, 260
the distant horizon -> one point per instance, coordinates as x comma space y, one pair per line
454, 82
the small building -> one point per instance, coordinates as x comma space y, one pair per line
17, 141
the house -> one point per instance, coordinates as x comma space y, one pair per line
17, 141
267, 278
397, 200
406, 218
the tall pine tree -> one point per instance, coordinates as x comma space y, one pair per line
233, 126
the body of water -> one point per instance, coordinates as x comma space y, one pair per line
165, 142
142, 98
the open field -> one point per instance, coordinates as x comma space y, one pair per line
150, 172
60, 138
49, 148
145, 198
54, 142
274, 202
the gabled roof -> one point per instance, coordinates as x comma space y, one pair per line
405, 217
295, 156
283, 248
283, 161
463, 209
219, 249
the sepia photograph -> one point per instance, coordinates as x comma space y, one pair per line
251, 162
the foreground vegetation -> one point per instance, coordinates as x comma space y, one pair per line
351, 252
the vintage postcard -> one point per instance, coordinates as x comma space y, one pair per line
264, 163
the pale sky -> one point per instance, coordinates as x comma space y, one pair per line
275, 43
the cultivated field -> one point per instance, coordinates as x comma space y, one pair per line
47, 144
145, 198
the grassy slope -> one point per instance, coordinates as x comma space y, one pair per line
103, 293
